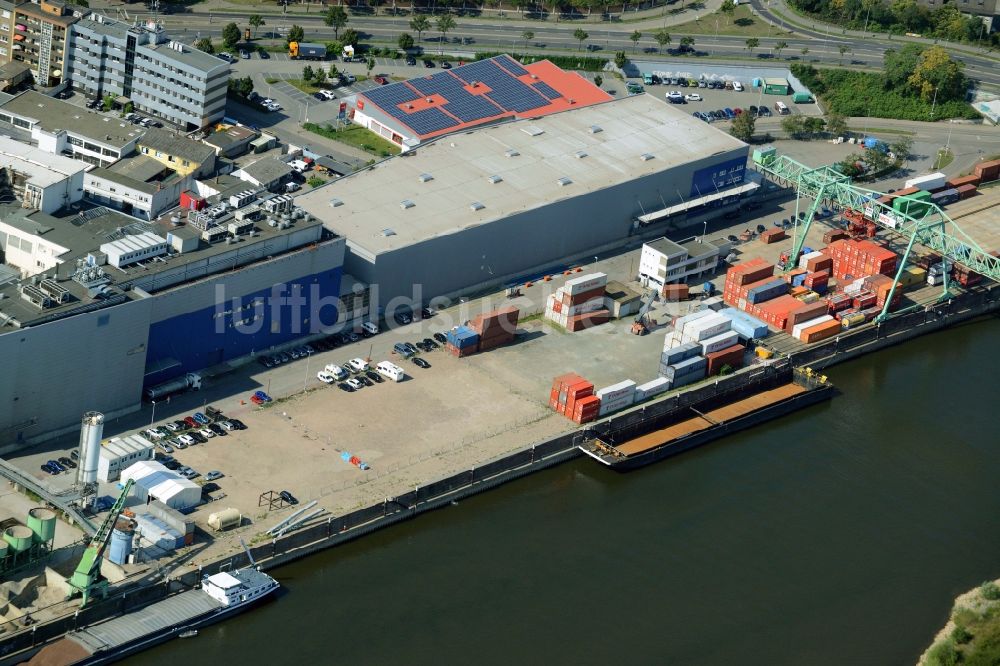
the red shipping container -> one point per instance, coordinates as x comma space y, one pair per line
583, 296
773, 236
988, 171
576, 391
819, 332
805, 313
839, 302
964, 180
588, 320
966, 191
675, 292
788, 277
586, 409
554, 398
461, 353
754, 270
560, 384
731, 356
817, 264
864, 300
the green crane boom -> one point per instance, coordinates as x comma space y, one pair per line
930, 227
87, 580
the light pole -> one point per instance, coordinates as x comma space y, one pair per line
934, 103
305, 381
704, 231
153, 417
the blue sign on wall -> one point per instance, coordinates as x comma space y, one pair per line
718, 177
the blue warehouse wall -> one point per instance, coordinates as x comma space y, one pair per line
237, 315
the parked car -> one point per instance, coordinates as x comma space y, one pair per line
358, 364
166, 448
238, 424
428, 63
200, 418
264, 55
402, 318
244, 54
325, 377
187, 439
427, 313
374, 376
411, 61
263, 396
56, 466
354, 384
692, 97
420, 363
190, 422
48, 469
217, 429
402, 350
198, 437
343, 386
441, 337
364, 380
729, 113
213, 475
226, 425
207, 433
288, 497
74, 454
67, 463
430, 343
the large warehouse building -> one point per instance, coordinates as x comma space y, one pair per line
508, 201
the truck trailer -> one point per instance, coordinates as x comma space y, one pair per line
306, 51
190, 381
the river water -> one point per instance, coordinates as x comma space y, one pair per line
837, 535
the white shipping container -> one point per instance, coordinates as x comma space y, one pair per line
806, 258
593, 305
681, 322
671, 340
704, 329
855, 287
742, 304
613, 406
621, 388
931, 181
651, 388
798, 328
585, 283
719, 342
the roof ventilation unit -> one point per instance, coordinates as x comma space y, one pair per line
510, 152
531, 130
336, 202
564, 181
406, 203
426, 177
495, 179
596, 129
429, 100
645, 157
580, 154
475, 205
387, 232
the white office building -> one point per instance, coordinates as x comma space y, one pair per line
665, 262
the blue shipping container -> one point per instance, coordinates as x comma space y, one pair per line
680, 353
766, 292
799, 280
690, 366
689, 378
463, 337
748, 327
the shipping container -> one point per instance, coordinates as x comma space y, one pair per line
820, 332
586, 409
731, 356
691, 377
806, 312
568, 299
582, 322
593, 305
928, 182
721, 341
966, 191
681, 322
747, 326
705, 328
852, 320
812, 323
651, 388
945, 197
914, 205
773, 235
585, 283
462, 337
694, 364
461, 352
674, 292
834, 235
680, 353
959, 181
766, 292
754, 270
987, 171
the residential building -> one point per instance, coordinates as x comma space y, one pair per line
39, 33
268, 172
185, 156
665, 262
231, 141
38, 179
61, 128
141, 64
13, 74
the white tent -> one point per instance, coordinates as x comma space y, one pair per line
154, 480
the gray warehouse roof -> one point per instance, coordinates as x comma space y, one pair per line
267, 170
54, 115
483, 175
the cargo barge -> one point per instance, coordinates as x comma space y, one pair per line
687, 427
220, 596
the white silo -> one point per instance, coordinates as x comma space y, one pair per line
91, 432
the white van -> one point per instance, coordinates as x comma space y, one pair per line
339, 374
737, 86
781, 108
371, 327
390, 371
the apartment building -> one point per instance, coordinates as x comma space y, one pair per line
139, 63
37, 33
665, 262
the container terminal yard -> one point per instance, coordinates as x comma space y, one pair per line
699, 316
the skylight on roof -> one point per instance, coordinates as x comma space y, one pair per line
580, 154
564, 181
645, 157
425, 177
476, 205
406, 203
336, 202
510, 152
495, 179
596, 129
531, 130
387, 232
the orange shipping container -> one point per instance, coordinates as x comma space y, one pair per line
819, 332
674, 292
731, 356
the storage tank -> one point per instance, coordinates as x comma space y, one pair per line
91, 432
121, 542
225, 519
42, 523
18, 538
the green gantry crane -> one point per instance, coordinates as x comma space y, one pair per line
930, 227
87, 579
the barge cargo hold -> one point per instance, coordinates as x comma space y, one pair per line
688, 427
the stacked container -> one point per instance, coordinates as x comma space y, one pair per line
834, 235
988, 171
965, 191
806, 312
674, 292
586, 409
748, 327
557, 396
817, 281
462, 341
617, 396
573, 394
957, 182
706, 327
731, 356
744, 274
579, 303
882, 285
651, 388
676, 354
811, 323
775, 312
857, 258
719, 342
820, 331
685, 372
495, 328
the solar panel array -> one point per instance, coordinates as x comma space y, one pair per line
511, 65
546, 90
506, 91
506, 94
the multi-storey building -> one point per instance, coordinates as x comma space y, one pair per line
37, 34
140, 63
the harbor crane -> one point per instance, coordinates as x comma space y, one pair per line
87, 580
642, 322
928, 225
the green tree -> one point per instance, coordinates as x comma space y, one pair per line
687, 44
444, 24
405, 41
635, 37
420, 24
805, 52
936, 71
370, 65
843, 48
581, 36
336, 18
295, 34
793, 126
205, 44
728, 8
752, 43
598, 80
901, 148
256, 20
813, 125
527, 36
307, 73
351, 37
897, 65
108, 103
319, 76
743, 126
620, 59
334, 72
779, 47
662, 38
836, 124
315, 181
129, 108
231, 35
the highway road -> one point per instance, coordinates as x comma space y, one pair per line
498, 34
